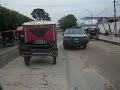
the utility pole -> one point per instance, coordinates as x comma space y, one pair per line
115, 28
90, 15
106, 7
91, 18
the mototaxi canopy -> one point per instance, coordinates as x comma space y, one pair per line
19, 29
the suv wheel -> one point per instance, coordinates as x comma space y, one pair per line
54, 60
84, 46
65, 46
27, 61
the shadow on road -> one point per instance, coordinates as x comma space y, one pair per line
42, 60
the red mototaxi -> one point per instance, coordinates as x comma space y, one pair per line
39, 39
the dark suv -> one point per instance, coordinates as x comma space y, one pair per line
75, 37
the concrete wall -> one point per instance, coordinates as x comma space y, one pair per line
107, 27
100, 26
118, 26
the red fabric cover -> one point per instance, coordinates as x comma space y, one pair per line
48, 36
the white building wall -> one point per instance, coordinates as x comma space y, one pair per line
112, 25
118, 26
106, 26
100, 26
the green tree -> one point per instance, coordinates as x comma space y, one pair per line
67, 21
40, 14
10, 20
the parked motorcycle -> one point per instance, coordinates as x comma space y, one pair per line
93, 34
8, 38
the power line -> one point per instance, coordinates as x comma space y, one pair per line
99, 13
103, 10
106, 7
118, 7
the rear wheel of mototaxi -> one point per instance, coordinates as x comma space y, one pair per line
97, 37
27, 61
54, 60
65, 45
84, 46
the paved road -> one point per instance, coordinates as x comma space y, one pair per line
95, 68
7, 54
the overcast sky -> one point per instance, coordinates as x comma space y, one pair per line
59, 8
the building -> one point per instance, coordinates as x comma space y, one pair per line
109, 24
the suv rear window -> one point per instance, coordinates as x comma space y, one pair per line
74, 31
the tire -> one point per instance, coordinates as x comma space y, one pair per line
97, 38
27, 61
54, 60
20, 52
65, 46
63, 42
13, 44
84, 46
4, 44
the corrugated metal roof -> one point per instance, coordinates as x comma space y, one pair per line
39, 23
112, 19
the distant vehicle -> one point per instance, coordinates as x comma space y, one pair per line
38, 38
93, 33
75, 37
8, 38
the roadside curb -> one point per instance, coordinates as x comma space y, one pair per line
111, 42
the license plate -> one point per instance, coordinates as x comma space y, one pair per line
40, 42
77, 41
76, 38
